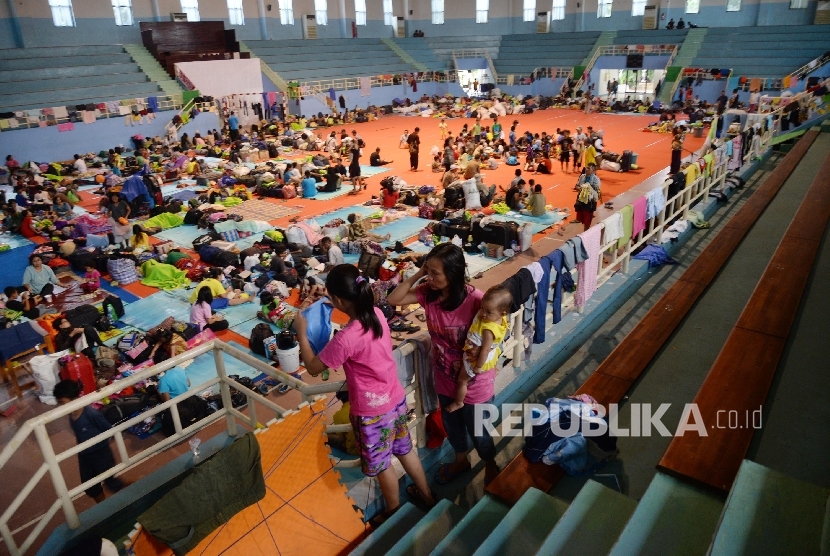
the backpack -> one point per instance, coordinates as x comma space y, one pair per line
259, 334
83, 315
289, 192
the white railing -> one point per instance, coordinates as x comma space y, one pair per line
165, 102
619, 259
476, 53
51, 460
351, 83
540, 72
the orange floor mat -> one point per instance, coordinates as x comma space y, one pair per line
305, 509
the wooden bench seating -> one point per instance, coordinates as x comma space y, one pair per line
171, 42
741, 376
618, 372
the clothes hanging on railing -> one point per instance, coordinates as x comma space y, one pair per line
627, 221
613, 228
535, 270
574, 252
521, 286
587, 284
655, 202
553, 268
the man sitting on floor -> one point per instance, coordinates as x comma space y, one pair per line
375, 160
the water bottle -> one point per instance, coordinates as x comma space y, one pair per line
514, 246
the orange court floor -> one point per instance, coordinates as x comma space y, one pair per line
621, 132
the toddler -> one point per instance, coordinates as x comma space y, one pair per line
483, 346
92, 278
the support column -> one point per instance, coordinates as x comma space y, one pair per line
15, 21
156, 10
344, 32
263, 24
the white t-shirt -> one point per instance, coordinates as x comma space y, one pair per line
80, 166
335, 255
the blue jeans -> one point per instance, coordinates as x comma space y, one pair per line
459, 427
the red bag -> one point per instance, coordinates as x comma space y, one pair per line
289, 191
79, 368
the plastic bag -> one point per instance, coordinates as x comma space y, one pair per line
45, 369
318, 317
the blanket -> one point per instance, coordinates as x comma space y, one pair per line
163, 276
165, 220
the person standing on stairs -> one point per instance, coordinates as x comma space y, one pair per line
363, 348
450, 305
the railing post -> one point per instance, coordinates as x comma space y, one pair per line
420, 423
57, 477
252, 412
225, 390
122, 448
517, 334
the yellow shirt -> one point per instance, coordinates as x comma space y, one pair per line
499, 331
692, 172
341, 417
590, 155
216, 288
143, 242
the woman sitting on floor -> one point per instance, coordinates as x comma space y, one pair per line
202, 315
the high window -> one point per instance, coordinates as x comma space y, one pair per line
321, 11
360, 12
437, 12
604, 8
692, 6
123, 11
557, 11
388, 13
733, 5
286, 12
191, 8
62, 14
482, 11
638, 7
235, 13
529, 11
798, 4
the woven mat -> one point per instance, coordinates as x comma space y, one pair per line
256, 209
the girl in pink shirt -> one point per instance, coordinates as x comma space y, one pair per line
378, 402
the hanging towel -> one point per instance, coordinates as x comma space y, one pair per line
272, 97
88, 117
627, 219
613, 228
639, 223
4, 124
785, 83
153, 103
48, 112
68, 126
13, 123
587, 283
510, 79
365, 86
332, 94
60, 112
33, 115
124, 110
113, 107
655, 201
755, 84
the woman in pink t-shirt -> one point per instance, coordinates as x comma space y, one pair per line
451, 305
378, 402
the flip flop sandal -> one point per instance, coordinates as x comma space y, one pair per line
381, 518
420, 317
417, 500
443, 476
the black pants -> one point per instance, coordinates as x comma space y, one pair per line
93, 464
218, 325
234, 134
47, 290
459, 426
487, 197
413, 160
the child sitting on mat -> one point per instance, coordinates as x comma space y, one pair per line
357, 232
484, 338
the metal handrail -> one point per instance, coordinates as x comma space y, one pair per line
51, 460
387, 80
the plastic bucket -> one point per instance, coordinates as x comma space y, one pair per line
289, 359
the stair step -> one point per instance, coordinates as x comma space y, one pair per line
525, 527
428, 532
390, 532
592, 523
471, 531
770, 513
672, 518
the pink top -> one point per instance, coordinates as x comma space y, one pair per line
448, 331
93, 277
200, 313
639, 223
371, 372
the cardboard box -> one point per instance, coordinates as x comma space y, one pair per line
495, 251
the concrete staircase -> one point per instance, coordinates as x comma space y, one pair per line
273, 76
150, 66
404, 55
606, 38
766, 513
687, 53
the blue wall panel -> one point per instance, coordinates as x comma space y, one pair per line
47, 143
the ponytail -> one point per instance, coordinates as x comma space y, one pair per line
345, 282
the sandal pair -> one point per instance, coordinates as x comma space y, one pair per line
417, 499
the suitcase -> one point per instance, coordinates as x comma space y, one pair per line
450, 231
453, 198
498, 233
79, 368
83, 315
626, 161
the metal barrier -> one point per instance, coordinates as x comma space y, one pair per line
350, 83
233, 418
